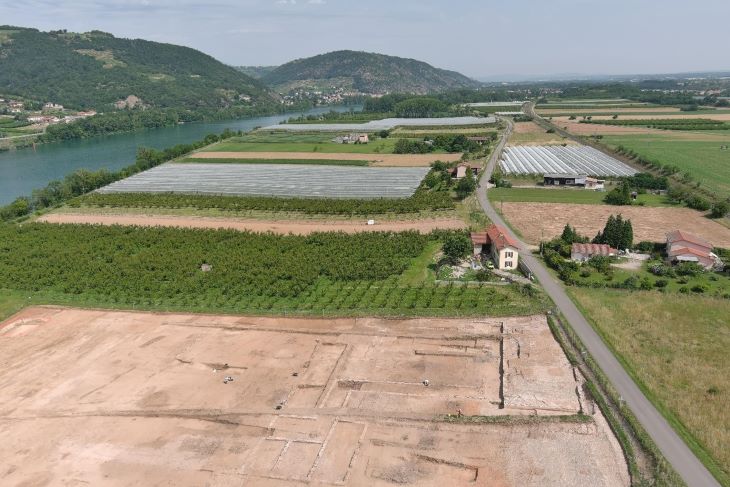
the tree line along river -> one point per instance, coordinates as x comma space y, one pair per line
23, 170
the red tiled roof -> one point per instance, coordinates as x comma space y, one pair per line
479, 238
680, 236
593, 249
500, 238
688, 250
496, 236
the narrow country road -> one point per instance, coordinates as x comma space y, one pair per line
671, 445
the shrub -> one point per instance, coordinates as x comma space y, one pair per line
661, 283
585, 273
406, 146
600, 262
620, 196
645, 246
528, 290
698, 288
720, 209
659, 269
466, 186
457, 246
483, 275
689, 269
697, 203
645, 284
632, 282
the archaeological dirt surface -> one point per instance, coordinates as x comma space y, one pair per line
92, 397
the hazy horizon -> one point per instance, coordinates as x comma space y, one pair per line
481, 39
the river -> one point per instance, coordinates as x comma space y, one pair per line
23, 170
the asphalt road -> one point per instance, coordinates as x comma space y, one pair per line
671, 445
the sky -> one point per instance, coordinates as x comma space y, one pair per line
480, 38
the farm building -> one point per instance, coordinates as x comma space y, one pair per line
352, 139
579, 180
581, 252
685, 247
502, 247
595, 184
461, 170
479, 140
564, 179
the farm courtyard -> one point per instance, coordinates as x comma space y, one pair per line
126, 398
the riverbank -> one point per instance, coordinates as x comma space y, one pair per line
29, 168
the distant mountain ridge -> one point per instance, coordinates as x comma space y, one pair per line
96, 70
365, 72
256, 72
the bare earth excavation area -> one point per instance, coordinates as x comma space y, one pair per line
121, 398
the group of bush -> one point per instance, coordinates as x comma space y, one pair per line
691, 197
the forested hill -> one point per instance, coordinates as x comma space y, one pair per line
96, 69
366, 73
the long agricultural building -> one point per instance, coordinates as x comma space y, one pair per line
549, 159
281, 180
384, 124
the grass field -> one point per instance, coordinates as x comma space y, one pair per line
12, 302
703, 159
547, 195
676, 347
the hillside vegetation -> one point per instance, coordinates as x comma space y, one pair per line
96, 69
256, 72
366, 73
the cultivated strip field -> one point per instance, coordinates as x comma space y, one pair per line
547, 220
530, 133
123, 398
274, 180
577, 128
563, 160
384, 124
590, 110
297, 227
495, 104
403, 160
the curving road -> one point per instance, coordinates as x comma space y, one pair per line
671, 445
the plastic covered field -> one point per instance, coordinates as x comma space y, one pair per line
554, 159
384, 124
275, 180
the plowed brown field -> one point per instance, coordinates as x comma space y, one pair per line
297, 227
547, 220
376, 159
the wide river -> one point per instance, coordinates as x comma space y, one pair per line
23, 170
